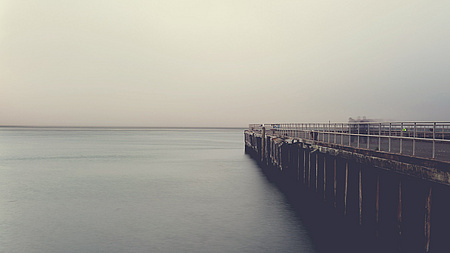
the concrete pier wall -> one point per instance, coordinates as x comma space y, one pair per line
379, 201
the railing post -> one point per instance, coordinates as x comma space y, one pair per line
296, 130
390, 126
324, 130
306, 129
293, 131
379, 138
414, 139
434, 140
368, 134
349, 136
443, 126
359, 126
316, 130
328, 134
334, 131
303, 133
401, 138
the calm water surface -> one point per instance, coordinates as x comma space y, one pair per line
139, 190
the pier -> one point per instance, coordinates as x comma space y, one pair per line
383, 185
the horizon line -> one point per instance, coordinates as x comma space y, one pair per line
186, 127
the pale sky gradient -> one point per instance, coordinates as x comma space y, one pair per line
222, 63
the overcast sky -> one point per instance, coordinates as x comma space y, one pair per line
222, 63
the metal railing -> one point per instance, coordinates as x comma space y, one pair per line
420, 139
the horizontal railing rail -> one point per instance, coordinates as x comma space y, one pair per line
420, 139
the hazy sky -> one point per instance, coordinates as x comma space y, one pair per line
222, 63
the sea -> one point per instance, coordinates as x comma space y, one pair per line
139, 190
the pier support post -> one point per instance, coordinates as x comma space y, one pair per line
345, 188
263, 144
360, 196
428, 220
298, 163
377, 207
317, 171
334, 183
309, 169
324, 177
304, 167
399, 214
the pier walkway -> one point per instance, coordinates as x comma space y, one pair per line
418, 139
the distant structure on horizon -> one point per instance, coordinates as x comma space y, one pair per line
360, 119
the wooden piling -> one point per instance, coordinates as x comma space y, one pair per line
304, 167
309, 170
360, 196
399, 214
263, 144
298, 164
345, 188
324, 177
317, 170
377, 207
428, 220
334, 183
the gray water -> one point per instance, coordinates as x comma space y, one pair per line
139, 190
